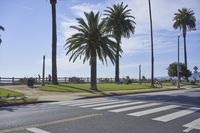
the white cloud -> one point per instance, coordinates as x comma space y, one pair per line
79, 9
24, 7
64, 30
64, 64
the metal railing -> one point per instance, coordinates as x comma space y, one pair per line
21, 81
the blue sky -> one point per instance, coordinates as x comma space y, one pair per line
27, 37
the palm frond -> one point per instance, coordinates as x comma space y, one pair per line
91, 37
2, 28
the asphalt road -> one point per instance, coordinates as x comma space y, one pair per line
161, 112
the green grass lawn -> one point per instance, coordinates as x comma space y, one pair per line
86, 87
111, 88
8, 93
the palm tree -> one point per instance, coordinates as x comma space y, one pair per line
152, 53
185, 20
91, 41
120, 23
54, 42
1, 28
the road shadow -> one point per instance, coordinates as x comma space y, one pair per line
10, 109
178, 99
77, 88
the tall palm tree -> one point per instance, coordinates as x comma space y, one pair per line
185, 20
152, 53
1, 28
54, 42
121, 23
91, 41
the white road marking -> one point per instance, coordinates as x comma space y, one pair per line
92, 102
118, 105
135, 107
176, 115
187, 130
192, 125
36, 130
155, 110
101, 104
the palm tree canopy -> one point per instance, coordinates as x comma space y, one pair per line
184, 19
119, 20
2, 28
91, 37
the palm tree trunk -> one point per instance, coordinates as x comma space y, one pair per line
185, 49
54, 43
117, 62
93, 71
152, 54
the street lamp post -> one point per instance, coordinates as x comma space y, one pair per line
139, 74
43, 71
178, 64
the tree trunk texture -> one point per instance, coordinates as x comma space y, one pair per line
54, 43
117, 62
93, 71
185, 48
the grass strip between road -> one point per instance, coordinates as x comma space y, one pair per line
9, 97
9, 93
49, 123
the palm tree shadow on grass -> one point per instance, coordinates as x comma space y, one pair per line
86, 90
59, 88
78, 88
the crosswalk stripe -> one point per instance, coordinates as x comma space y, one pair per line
176, 115
155, 110
135, 107
118, 105
36, 130
187, 130
101, 104
92, 102
192, 125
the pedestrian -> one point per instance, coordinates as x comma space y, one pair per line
39, 77
49, 77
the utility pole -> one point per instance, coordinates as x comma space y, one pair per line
43, 70
139, 74
178, 64
152, 51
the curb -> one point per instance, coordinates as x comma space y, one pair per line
26, 103
115, 94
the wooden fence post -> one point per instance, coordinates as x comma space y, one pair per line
65, 80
